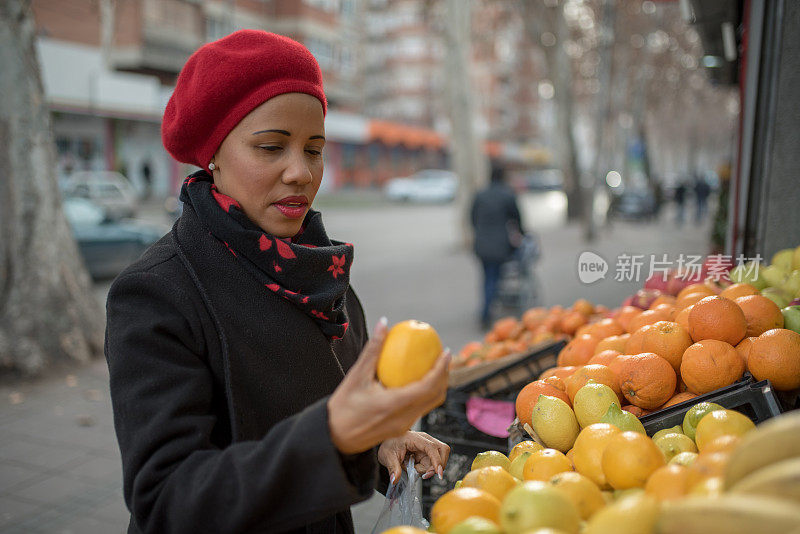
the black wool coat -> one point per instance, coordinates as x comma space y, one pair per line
219, 389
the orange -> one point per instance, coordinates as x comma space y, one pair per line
668, 483
717, 318
496, 350
571, 321
507, 328
647, 380
625, 315
629, 459
710, 364
604, 328
635, 410
667, 339
544, 464
648, 317
744, 347
578, 350
529, 395
534, 317
662, 299
583, 306
682, 317
523, 446
599, 373
616, 364
588, 450
707, 466
604, 357
457, 505
735, 291
776, 357
616, 343
688, 300
560, 372
760, 313
409, 352
695, 288
404, 529
494, 480
555, 382
677, 399
668, 309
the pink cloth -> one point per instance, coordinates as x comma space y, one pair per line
490, 416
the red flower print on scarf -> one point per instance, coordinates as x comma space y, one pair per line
336, 266
224, 201
284, 250
319, 315
276, 267
264, 243
273, 287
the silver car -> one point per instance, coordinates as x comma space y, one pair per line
429, 185
107, 189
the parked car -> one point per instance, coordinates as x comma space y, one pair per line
537, 180
635, 204
110, 190
108, 246
429, 185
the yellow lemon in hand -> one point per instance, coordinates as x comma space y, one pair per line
409, 352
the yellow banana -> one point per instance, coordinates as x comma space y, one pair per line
772, 441
729, 514
780, 480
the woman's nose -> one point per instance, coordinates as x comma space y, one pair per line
297, 169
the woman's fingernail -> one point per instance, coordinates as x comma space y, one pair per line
391, 479
440, 472
426, 476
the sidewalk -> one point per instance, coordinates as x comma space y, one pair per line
59, 463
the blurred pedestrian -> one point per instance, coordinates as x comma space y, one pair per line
680, 202
147, 178
658, 199
701, 192
242, 381
498, 232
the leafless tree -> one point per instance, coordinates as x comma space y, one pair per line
47, 310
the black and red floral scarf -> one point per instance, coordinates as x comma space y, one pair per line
309, 270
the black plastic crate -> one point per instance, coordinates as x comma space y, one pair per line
507, 381
448, 423
756, 400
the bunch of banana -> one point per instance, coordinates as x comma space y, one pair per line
762, 483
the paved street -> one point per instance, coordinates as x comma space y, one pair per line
59, 464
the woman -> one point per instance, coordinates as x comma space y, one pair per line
242, 381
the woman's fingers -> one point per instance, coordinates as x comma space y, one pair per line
367, 362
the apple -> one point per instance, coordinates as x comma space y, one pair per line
792, 283
775, 275
657, 281
777, 296
791, 317
783, 259
796, 258
748, 274
645, 297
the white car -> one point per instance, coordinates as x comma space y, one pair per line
429, 185
107, 189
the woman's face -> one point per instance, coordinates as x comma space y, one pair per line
271, 162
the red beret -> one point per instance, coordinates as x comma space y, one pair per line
225, 80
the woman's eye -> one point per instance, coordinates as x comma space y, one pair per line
269, 148
314, 151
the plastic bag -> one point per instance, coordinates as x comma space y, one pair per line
402, 506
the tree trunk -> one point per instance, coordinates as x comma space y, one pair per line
468, 161
47, 310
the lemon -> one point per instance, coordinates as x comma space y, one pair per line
490, 458
684, 458
543, 464
588, 451
672, 430
583, 493
633, 514
518, 464
555, 423
591, 403
408, 353
673, 444
459, 504
721, 423
536, 504
696, 413
523, 446
404, 530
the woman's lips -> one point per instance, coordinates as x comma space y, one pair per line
292, 207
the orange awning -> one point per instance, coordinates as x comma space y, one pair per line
395, 133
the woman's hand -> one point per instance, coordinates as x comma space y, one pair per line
362, 413
430, 454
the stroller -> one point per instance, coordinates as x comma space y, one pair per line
518, 288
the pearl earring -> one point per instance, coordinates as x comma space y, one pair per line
211, 166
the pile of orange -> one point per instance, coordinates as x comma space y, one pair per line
510, 335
